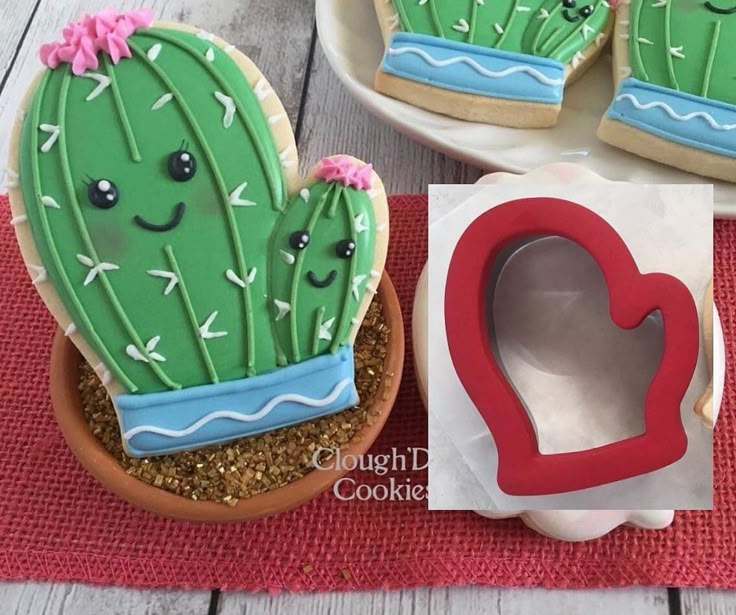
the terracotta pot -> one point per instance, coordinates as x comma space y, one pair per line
65, 361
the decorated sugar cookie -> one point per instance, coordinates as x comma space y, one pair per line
675, 98
503, 62
567, 525
162, 219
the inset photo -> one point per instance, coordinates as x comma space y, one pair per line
569, 325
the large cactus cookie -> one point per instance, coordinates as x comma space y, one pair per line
160, 213
498, 61
675, 73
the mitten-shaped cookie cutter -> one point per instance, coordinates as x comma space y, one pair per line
477, 259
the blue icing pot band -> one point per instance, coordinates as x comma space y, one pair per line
473, 69
171, 421
691, 120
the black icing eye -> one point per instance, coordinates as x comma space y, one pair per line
182, 165
569, 4
299, 240
103, 193
345, 248
587, 10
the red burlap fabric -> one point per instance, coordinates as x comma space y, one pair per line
57, 523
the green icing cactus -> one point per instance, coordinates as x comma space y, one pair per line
556, 29
157, 203
685, 45
319, 277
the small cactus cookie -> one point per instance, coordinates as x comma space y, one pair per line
675, 98
502, 62
161, 216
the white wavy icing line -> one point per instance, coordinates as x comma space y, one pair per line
539, 76
674, 115
238, 416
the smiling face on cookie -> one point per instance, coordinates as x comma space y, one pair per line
103, 193
573, 13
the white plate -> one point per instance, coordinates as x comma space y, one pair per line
349, 34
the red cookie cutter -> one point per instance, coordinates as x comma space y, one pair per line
522, 469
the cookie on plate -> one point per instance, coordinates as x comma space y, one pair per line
161, 215
502, 62
675, 98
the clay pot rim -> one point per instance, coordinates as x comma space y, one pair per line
90, 452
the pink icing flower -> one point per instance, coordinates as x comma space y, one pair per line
344, 170
50, 55
107, 31
115, 46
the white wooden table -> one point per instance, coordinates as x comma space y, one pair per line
280, 37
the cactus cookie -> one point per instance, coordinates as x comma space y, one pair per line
502, 62
161, 216
675, 73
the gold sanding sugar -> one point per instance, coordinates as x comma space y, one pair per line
249, 466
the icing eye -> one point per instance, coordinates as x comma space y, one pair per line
587, 10
103, 193
299, 240
345, 248
182, 165
569, 4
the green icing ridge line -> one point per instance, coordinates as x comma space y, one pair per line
406, 24
711, 58
332, 211
549, 42
668, 43
508, 26
436, 19
635, 44
577, 31
281, 359
319, 315
341, 328
186, 299
473, 15
135, 153
535, 47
